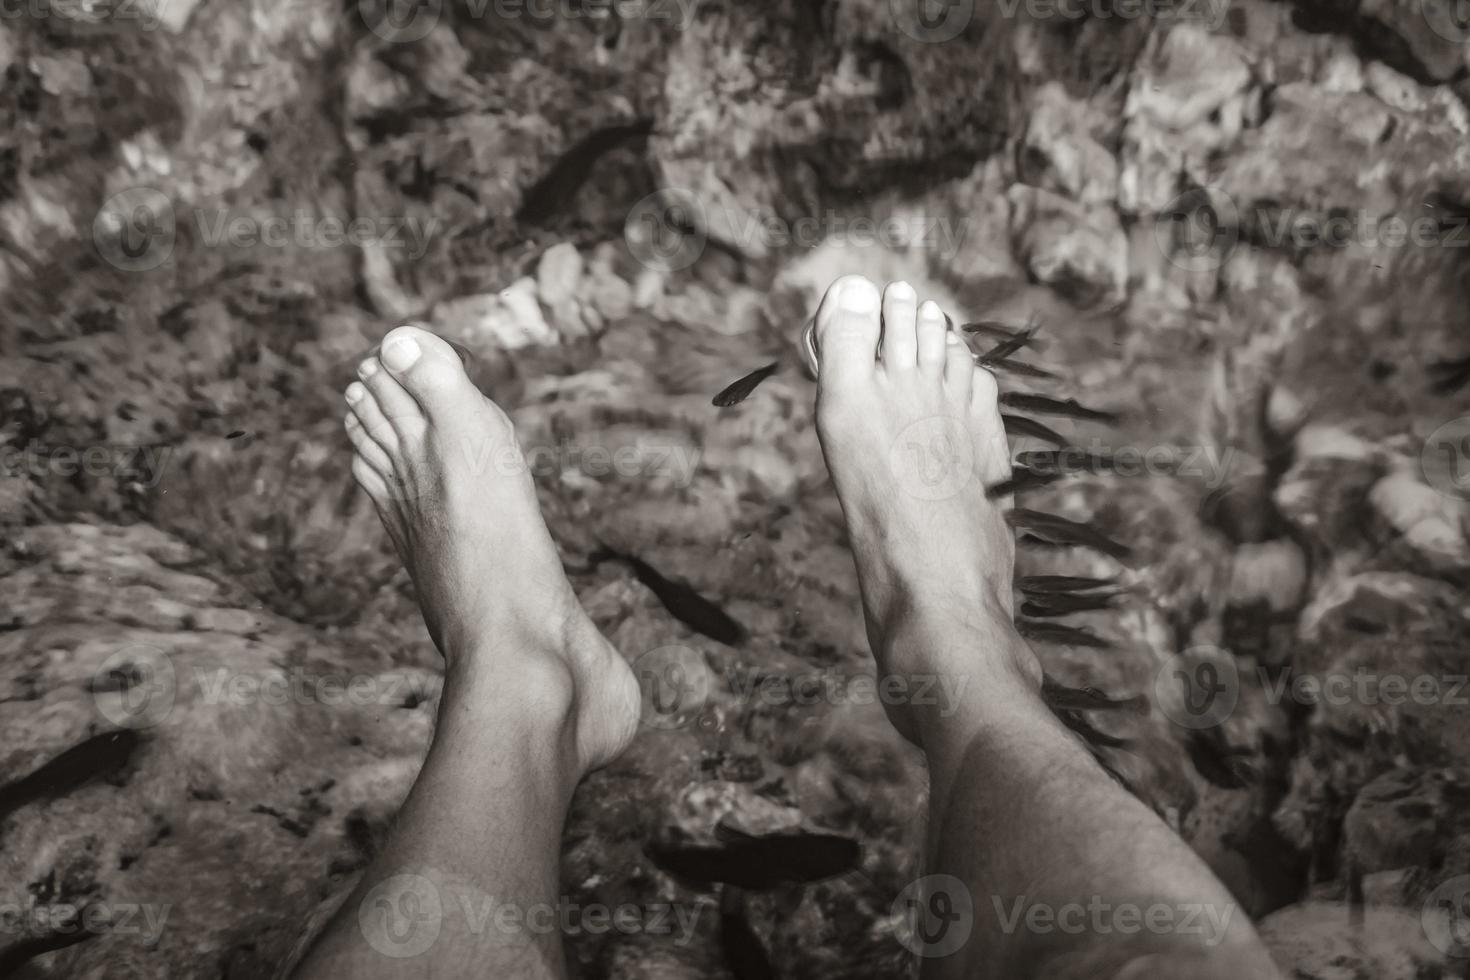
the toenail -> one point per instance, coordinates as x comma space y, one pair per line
902, 290
353, 393
401, 353
858, 297
930, 310
368, 368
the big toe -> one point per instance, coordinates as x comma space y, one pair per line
428, 368
848, 331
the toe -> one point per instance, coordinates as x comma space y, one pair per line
931, 332
848, 331
369, 450
992, 447
429, 369
959, 368
373, 422
396, 408
900, 342
369, 479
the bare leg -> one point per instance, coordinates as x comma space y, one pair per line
1067, 874
534, 697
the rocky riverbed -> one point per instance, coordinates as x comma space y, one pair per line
1242, 228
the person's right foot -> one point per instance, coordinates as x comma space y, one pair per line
911, 431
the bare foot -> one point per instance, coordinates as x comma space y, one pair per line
912, 435
441, 463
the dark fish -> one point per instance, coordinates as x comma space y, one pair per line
1067, 461
745, 954
1009, 346
553, 192
96, 758
1089, 731
759, 863
1060, 531
1046, 584
1022, 478
236, 434
1449, 377
1074, 636
682, 602
1019, 425
737, 391
1065, 604
1043, 405
1064, 698
1217, 761
28, 948
992, 328
1020, 368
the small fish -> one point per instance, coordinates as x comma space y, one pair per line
759, 863
1019, 425
1022, 478
1042, 405
745, 954
1449, 376
1020, 368
1094, 737
1060, 531
1009, 346
682, 602
1064, 698
555, 190
1065, 461
1046, 584
96, 758
1074, 636
1218, 762
737, 391
992, 328
1065, 604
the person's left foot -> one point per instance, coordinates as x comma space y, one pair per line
441, 462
